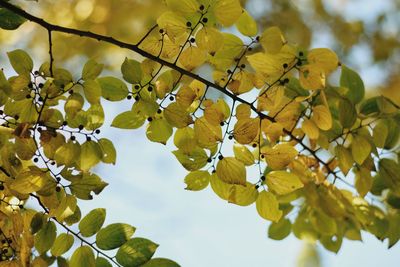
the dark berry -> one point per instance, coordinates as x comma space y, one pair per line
58, 189
30, 85
258, 38
159, 111
1, 187
192, 40
301, 54
88, 138
201, 7
262, 156
298, 63
21, 206
149, 119
150, 88
228, 71
188, 24
243, 66
36, 73
161, 31
230, 137
80, 127
209, 160
16, 117
222, 123
41, 85
220, 157
53, 163
71, 92
204, 20
97, 131
40, 99
137, 87
28, 96
214, 171
58, 179
257, 186
137, 98
254, 145
1, 112
250, 49
171, 98
285, 65
286, 80
35, 160
262, 178
129, 97
73, 138
65, 123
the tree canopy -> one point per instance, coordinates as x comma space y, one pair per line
259, 119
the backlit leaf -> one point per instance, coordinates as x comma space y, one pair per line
114, 235
282, 182
135, 252
268, 207
92, 222
231, 171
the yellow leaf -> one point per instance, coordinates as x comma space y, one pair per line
177, 116
206, 133
272, 40
241, 83
219, 187
231, 171
184, 139
192, 57
312, 77
243, 154
246, 130
185, 96
266, 64
322, 117
197, 180
243, 195
272, 130
209, 39
184, 7
360, 149
173, 24
282, 182
324, 58
310, 129
28, 182
279, 156
217, 112
268, 207
159, 130
227, 12
243, 111
246, 24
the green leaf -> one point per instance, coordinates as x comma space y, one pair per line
160, 262
360, 149
91, 70
353, 82
65, 209
282, 182
113, 89
28, 182
332, 243
159, 130
44, 239
92, 91
131, 71
62, 244
345, 159
91, 154
347, 113
136, 252
279, 230
192, 161
92, 222
380, 133
9, 20
68, 153
363, 181
114, 235
108, 149
268, 207
102, 262
128, 120
20, 61
83, 256
393, 232
197, 180
82, 188
324, 224
389, 171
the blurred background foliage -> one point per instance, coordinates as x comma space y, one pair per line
364, 36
